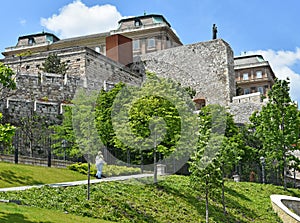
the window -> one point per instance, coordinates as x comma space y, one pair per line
245, 76
31, 41
259, 74
97, 49
136, 44
260, 89
246, 91
151, 43
137, 23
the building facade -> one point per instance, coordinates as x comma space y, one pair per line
253, 74
149, 33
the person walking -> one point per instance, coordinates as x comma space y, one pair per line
99, 164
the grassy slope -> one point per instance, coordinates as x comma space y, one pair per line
12, 175
172, 200
19, 214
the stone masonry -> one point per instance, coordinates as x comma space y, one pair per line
207, 67
48, 93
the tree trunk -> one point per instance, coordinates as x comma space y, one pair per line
294, 177
89, 180
154, 157
223, 192
284, 168
206, 202
155, 166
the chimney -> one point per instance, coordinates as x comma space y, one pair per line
119, 49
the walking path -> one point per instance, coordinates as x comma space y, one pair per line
76, 183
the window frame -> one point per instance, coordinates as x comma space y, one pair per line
262, 88
138, 23
153, 43
261, 74
245, 76
247, 90
136, 45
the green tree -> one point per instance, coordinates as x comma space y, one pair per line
156, 120
104, 126
147, 121
54, 65
250, 158
64, 137
78, 128
7, 81
220, 147
230, 152
277, 125
7, 132
205, 169
35, 128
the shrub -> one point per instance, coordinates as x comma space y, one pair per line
108, 170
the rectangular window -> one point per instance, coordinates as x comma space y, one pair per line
151, 43
245, 76
136, 44
246, 91
260, 89
259, 74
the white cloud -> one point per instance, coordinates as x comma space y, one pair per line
282, 63
76, 19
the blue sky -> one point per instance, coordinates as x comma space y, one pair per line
268, 27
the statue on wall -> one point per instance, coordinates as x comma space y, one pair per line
214, 30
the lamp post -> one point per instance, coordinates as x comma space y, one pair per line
263, 163
64, 146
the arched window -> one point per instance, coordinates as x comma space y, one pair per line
137, 22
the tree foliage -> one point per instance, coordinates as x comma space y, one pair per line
65, 132
7, 81
7, 131
219, 149
84, 124
78, 128
54, 65
143, 120
103, 110
277, 125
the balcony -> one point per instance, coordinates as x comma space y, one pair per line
254, 80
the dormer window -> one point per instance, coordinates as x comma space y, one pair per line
31, 41
137, 22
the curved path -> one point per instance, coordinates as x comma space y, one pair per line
76, 183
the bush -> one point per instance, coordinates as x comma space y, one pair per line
108, 170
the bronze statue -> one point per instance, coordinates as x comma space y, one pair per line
214, 29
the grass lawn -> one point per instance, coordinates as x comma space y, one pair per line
171, 200
12, 213
13, 175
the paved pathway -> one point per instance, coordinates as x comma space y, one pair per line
75, 183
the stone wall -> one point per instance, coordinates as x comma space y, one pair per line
242, 107
207, 67
46, 93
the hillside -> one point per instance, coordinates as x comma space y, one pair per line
13, 175
172, 200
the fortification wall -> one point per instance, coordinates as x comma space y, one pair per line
242, 107
46, 93
207, 67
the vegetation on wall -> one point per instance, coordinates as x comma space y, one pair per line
54, 65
